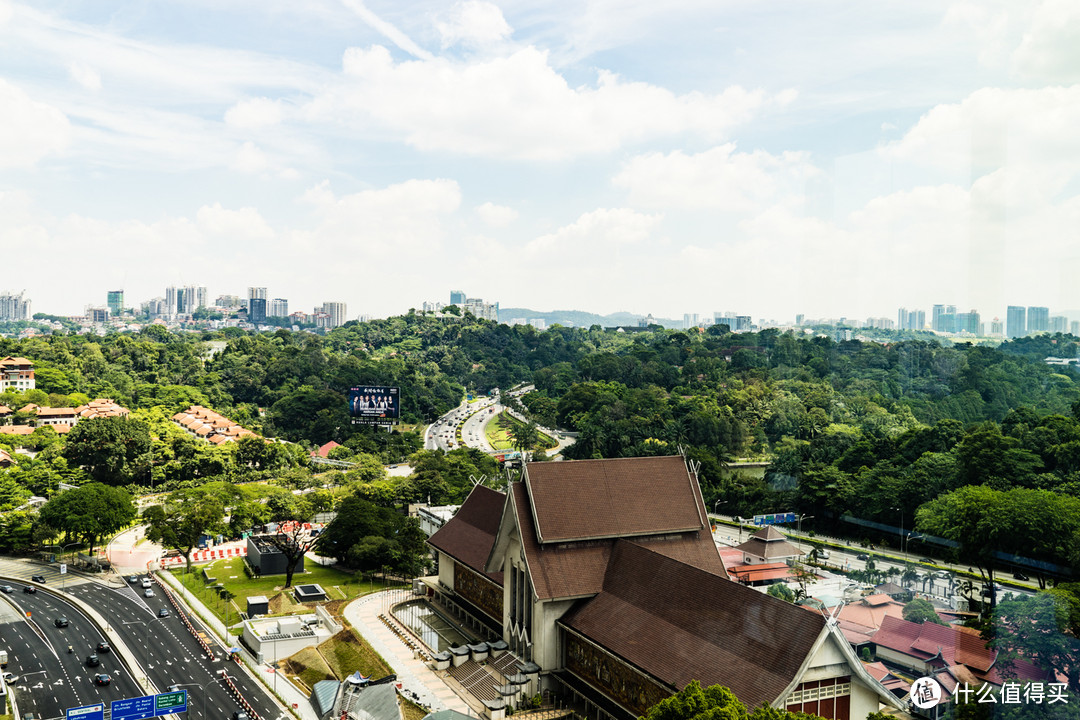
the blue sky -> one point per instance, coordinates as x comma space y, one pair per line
826, 158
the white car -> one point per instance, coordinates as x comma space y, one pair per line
148, 593
146, 583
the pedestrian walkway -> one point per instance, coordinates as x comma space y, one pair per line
413, 674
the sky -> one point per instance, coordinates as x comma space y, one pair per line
832, 158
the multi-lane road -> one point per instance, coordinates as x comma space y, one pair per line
143, 643
470, 418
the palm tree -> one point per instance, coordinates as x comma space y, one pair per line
909, 576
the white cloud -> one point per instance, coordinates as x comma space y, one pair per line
519, 106
250, 159
254, 113
85, 75
1050, 49
718, 178
600, 233
388, 30
383, 224
473, 23
496, 216
29, 130
1029, 132
233, 225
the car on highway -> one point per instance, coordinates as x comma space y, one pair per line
9, 678
148, 593
92, 661
61, 621
7, 588
1016, 576
862, 556
29, 589
146, 582
163, 612
103, 647
102, 679
928, 561
133, 579
38, 578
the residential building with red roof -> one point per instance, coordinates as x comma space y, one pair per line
209, 425
16, 373
604, 574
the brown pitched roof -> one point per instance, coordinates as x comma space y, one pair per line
56, 412
680, 623
769, 543
469, 535
16, 429
576, 569
612, 498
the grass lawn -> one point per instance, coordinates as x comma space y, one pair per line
230, 573
497, 431
336, 658
410, 710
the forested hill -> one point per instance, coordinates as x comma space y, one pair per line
869, 413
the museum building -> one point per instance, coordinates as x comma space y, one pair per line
605, 575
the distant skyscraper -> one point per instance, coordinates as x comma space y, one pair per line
256, 292
935, 318
335, 311
1016, 321
1059, 324
689, 320
967, 322
800, 318
257, 311
457, 297
115, 301
1074, 328
910, 319
997, 328
14, 307
278, 307
170, 300
1038, 319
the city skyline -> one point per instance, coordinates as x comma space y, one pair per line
831, 161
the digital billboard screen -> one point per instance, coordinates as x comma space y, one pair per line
374, 404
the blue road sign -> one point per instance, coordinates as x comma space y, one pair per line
86, 712
133, 708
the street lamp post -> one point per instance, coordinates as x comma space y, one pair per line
203, 687
799, 531
146, 642
901, 509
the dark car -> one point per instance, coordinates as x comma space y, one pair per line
863, 556
61, 622
928, 561
1016, 576
102, 679
92, 661
29, 589
163, 612
38, 578
103, 647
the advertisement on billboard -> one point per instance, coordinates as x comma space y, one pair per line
374, 404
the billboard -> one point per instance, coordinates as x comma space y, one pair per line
375, 404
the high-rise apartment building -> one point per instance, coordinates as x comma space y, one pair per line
14, 307
910, 319
1015, 321
1059, 324
735, 323
257, 311
968, 322
115, 301
335, 312
997, 328
278, 307
256, 292
227, 302
457, 297
690, 320
1038, 319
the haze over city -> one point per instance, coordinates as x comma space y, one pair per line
831, 160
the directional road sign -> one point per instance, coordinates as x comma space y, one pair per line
170, 702
87, 712
133, 708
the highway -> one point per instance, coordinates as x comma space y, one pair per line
162, 646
